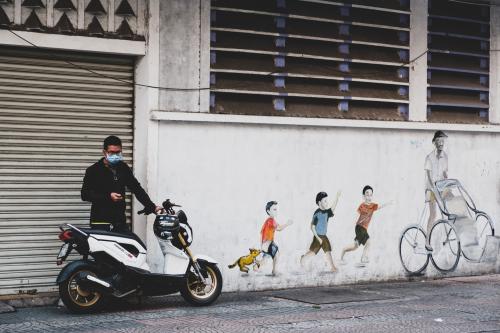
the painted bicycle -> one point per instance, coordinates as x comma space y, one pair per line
462, 230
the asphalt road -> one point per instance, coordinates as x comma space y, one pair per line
469, 304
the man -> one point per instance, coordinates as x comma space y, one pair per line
436, 168
104, 186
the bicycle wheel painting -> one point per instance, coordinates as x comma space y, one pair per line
412, 252
446, 246
483, 229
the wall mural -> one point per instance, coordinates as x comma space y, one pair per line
460, 230
365, 211
436, 168
269, 247
319, 228
249, 259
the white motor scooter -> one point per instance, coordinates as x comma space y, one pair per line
114, 265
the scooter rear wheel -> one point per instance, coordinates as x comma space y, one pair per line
76, 298
198, 293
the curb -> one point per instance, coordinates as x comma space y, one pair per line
29, 301
5, 308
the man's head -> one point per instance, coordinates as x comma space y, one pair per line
112, 150
368, 193
438, 140
272, 208
322, 200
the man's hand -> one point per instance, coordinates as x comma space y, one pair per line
158, 209
115, 197
319, 240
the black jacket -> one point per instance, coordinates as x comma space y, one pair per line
98, 184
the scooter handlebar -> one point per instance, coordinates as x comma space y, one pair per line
167, 207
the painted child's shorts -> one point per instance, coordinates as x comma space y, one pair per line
271, 250
361, 235
316, 246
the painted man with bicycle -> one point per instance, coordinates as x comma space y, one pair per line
436, 168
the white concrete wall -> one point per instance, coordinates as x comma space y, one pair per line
223, 175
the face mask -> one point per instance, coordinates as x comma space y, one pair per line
114, 159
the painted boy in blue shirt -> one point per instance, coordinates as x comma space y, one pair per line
319, 228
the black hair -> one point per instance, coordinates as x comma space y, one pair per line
439, 134
112, 141
320, 196
366, 188
269, 205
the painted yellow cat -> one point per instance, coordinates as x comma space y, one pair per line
246, 260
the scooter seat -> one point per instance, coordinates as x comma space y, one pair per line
128, 235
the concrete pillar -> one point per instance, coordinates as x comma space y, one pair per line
50, 13
80, 12
418, 68
184, 55
17, 12
146, 100
111, 15
494, 112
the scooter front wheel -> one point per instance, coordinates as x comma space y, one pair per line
199, 293
76, 298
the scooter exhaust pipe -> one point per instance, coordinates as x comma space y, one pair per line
90, 282
99, 281
103, 286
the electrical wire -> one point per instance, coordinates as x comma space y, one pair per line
365, 74
475, 3
104, 75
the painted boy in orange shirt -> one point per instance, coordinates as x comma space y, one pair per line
365, 210
269, 247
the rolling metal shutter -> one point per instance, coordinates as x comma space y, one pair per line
53, 119
310, 58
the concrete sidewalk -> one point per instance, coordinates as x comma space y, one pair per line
466, 304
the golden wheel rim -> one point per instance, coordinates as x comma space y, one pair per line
80, 296
199, 289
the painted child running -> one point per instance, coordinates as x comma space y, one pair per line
269, 247
365, 210
319, 228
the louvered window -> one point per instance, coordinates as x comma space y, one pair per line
458, 60
311, 58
